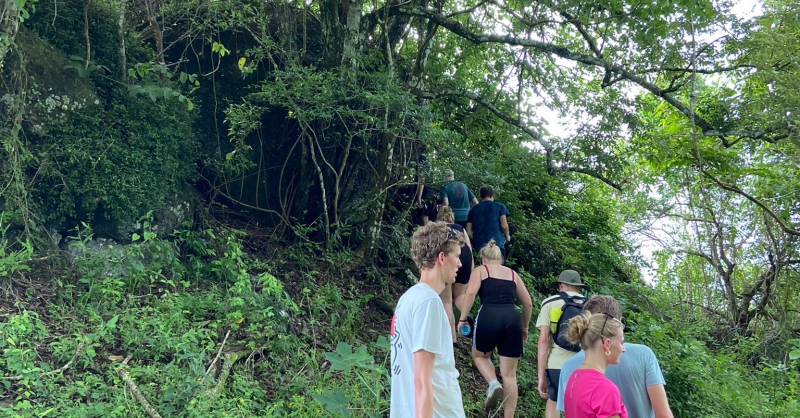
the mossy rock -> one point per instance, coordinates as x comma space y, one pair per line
57, 91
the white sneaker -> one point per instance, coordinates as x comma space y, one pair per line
494, 395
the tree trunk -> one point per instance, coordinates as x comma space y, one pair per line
332, 33
351, 47
9, 25
121, 28
368, 245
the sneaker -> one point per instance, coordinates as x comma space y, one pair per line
494, 395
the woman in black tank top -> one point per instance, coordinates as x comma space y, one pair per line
498, 325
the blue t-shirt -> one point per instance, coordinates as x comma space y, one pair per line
485, 220
637, 369
458, 197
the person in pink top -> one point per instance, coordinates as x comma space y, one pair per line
589, 393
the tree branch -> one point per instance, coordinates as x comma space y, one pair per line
135, 389
480, 38
734, 189
61, 369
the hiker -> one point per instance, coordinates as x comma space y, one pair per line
589, 393
551, 355
458, 196
457, 290
498, 325
487, 221
638, 375
424, 380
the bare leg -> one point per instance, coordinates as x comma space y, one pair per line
508, 369
483, 362
550, 410
447, 300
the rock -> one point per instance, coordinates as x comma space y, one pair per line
56, 91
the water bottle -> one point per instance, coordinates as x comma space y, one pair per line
465, 329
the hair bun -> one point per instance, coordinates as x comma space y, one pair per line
578, 326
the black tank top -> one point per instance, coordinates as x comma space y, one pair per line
497, 291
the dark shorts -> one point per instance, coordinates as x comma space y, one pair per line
463, 273
498, 326
553, 376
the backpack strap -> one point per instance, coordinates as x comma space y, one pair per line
570, 298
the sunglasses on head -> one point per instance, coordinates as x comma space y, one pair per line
603, 328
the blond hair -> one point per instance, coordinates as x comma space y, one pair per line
586, 329
430, 240
446, 214
491, 252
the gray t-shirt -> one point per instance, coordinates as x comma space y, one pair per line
637, 369
420, 323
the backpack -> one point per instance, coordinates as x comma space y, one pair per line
559, 320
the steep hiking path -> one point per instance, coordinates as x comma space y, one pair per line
215, 322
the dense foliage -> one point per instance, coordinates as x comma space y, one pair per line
286, 137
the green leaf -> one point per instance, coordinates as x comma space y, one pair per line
135, 237
112, 323
383, 342
345, 358
335, 402
794, 354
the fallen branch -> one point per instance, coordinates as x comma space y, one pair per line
224, 340
213, 393
63, 368
135, 389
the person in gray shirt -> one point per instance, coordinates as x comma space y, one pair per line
638, 375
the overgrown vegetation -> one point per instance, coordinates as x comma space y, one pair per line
204, 206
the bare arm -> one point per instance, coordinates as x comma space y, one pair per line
658, 398
445, 201
469, 296
420, 189
473, 202
469, 231
542, 354
504, 227
423, 385
527, 305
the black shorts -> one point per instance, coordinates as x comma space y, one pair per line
498, 326
553, 376
463, 273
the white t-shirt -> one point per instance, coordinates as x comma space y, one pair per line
420, 323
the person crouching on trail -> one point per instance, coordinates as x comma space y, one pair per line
589, 393
498, 324
457, 290
424, 380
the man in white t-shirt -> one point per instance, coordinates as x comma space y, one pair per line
423, 368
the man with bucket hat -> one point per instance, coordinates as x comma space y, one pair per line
567, 303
